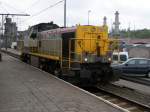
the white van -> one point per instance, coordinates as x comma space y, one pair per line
14, 45
119, 57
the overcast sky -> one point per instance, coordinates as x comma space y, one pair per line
133, 13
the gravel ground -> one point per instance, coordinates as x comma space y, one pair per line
132, 91
139, 87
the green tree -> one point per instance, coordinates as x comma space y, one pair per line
144, 33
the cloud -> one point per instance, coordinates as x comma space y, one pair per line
133, 12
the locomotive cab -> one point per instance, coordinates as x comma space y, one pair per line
88, 54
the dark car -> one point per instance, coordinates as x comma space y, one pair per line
135, 67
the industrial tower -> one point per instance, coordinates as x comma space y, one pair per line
116, 24
105, 21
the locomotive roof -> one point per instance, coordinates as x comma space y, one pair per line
60, 30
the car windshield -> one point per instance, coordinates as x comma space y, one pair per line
123, 57
115, 57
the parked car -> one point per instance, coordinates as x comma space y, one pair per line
135, 67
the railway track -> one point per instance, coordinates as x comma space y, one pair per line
11, 54
127, 104
137, 80
118, 96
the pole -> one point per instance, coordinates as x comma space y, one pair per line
3, 27
4, 37
89, 16
64, 13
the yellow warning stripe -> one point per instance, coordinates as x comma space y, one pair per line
45, 56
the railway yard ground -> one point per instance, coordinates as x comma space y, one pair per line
135, 86
28, 89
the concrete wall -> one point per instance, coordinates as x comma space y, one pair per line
140, 52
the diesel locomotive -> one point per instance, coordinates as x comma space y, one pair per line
81, 52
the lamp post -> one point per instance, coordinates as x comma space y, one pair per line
64, 13
89, 16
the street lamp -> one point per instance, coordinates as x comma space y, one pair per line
89, 16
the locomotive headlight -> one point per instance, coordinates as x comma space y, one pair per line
109, 59
85, 59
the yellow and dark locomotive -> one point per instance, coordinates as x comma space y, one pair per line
81, 52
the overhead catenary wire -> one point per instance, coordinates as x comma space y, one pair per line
43, 10
10, 6
5, 5
33, 4
7, 13
51, 6
4, 8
